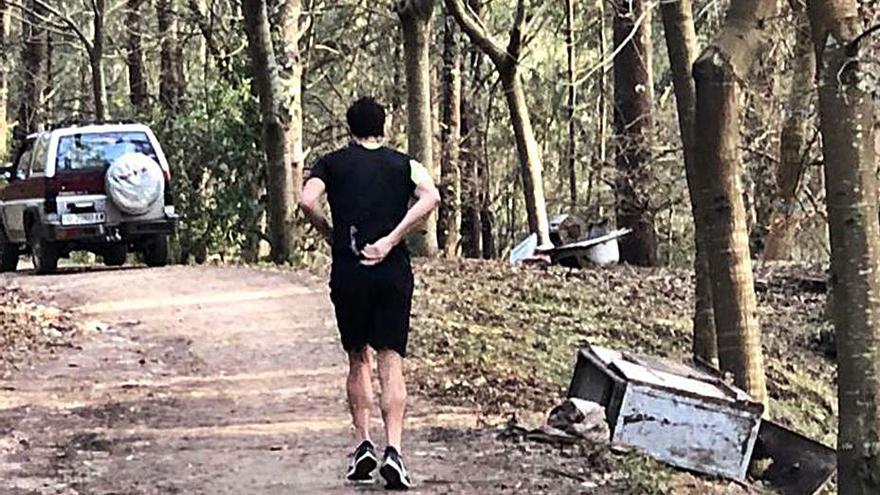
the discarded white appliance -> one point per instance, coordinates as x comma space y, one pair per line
674, 413
601, 250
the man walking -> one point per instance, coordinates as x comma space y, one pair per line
369, 188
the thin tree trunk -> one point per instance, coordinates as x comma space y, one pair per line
786, 217
291, 85
170, 82
602, 101
716, 72
681, 44
571, 147
415, 22
137, 80
34, 77
272, 106
506, 61
96, 61
449, 223
470, 160
633, 100
846, 112
5, 69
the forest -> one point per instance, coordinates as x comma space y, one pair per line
727, 134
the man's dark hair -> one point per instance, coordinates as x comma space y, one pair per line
366, 118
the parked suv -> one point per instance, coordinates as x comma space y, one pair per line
103, 188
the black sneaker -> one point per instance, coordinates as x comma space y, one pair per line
394, 472
363, 462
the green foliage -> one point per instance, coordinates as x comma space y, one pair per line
218, 172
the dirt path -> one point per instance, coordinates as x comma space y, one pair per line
215, 381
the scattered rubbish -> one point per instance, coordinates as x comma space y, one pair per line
676, 414
797, 465
580, 418
691, 418
569, 247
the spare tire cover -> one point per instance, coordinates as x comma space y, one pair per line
134, 183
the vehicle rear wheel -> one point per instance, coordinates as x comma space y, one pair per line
44, 253
156, 251
8, 257
115, 255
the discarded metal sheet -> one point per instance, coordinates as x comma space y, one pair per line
799, 466
601, 250
677, 414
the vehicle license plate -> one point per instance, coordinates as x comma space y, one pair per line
81, 218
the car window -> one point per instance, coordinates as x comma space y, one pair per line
40, 151
99, 150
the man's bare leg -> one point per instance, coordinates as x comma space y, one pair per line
360, 392
393, 400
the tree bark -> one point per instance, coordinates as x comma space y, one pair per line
681, 44
716, 72
266, 76
291, 63
5, 69
470, 161
34, 77
571, 145
96, 61
506, 61
786, 216
137, 80
449, 222
415, 23
633, 123
170, 77
846, 112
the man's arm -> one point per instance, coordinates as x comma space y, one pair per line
310, 203
427, 198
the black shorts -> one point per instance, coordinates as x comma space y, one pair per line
373, 304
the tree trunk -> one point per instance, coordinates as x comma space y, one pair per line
470, 160
506, 61
291, 85
786, 216
449, 223
415, 22
34, 77
96, 59
633, 99
137, 80
681, 44
846, 112
272, 107
530, 157
716, 72
5, 68
170, 83
571, 145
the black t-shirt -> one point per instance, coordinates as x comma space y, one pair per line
369, 191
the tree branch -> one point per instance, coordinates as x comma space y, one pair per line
70, 23
853, 47
514, 46
471, 25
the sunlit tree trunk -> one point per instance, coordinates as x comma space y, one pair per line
5, 69
137, 80
717, 72
846, 112
449, 224
681, 44
33, 71
269, 85
633, 122
291, 75
506, 61
786, 216
415, 22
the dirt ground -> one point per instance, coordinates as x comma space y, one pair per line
220, 381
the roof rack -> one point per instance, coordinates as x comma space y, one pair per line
82, 122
